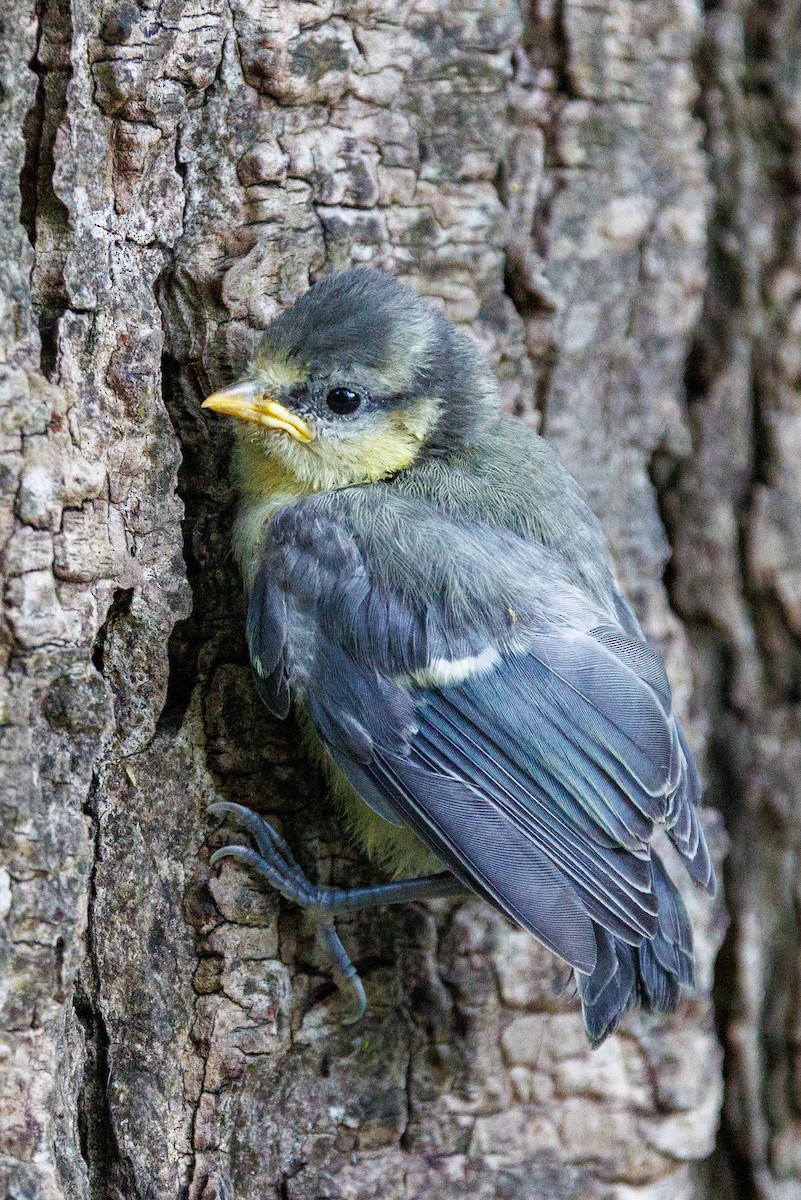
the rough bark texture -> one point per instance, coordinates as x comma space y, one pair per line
607, 192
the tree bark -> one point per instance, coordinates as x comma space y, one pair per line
607, 194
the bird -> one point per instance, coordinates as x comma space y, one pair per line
430, 591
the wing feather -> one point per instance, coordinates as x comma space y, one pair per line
533, 892
266, 633
538, 780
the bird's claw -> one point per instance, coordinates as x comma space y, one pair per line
276, 863
272, 846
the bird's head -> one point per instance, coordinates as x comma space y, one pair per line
353, 383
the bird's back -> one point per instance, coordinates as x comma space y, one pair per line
513, 480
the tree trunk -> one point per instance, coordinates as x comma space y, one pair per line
607, 194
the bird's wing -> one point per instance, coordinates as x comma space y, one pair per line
534, 758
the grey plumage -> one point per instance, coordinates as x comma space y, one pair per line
539, 781
458, 642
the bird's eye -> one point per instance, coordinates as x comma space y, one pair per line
342, 400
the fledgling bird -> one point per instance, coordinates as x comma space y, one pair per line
430, 588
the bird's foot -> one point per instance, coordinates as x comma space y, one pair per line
276, 863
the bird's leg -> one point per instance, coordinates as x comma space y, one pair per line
346, 977
275, 862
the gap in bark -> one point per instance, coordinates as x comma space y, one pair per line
561, 47
111, 1177
32, 130
724, 789
38, 200
120, 606
543, 44
48, 340
185, 640
108, 1177
711, 349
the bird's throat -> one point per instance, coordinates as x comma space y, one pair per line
274, 473
266, 484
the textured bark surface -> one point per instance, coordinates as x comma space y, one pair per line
607, 193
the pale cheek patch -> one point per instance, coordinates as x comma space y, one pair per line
389, 443
445, 672
385, 445
271, 462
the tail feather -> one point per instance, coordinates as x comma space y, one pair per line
684, 822
650, 974
603, 1006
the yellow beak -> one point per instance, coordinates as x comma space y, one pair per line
248, 402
